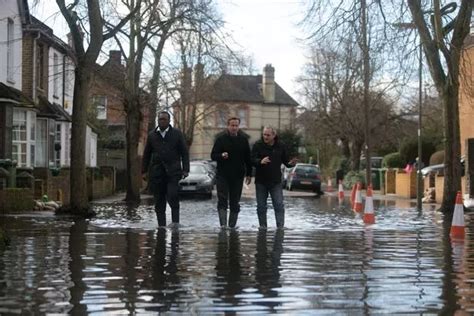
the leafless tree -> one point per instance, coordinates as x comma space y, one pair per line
78, 14
443, 28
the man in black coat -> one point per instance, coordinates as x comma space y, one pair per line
166, 159
267, 156
231, 150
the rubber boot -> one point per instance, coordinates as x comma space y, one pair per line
280, 219
222, 217
262, 220
161, 219
233, 219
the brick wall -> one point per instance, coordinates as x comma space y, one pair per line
56, 187
16, 200
27, 66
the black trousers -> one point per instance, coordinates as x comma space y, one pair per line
229, 191
166, 190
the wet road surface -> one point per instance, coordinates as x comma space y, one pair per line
326, 261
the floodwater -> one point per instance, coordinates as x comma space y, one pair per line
325, 262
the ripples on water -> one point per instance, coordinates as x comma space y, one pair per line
326, 261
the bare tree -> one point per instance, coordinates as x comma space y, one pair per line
205, 48
442, 44
85, 62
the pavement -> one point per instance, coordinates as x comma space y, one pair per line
248, 191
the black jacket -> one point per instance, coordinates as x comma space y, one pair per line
238, 164
165, 156
270, 173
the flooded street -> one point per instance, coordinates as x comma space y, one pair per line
326, 261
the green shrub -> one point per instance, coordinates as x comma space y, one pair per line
393, 160
352, 177
409, 150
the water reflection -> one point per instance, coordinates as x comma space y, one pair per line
326, 262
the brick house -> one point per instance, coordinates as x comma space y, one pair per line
107, 95
257, 100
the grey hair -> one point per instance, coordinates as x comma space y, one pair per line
270, 127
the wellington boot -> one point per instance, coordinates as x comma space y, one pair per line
262, 220
222, 217
233, 219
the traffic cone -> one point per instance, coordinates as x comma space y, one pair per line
369, 217
329, 188
353, 194
340, 191
457, 225
358, 199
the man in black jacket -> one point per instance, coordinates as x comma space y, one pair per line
231, 150
267, 156
166, 159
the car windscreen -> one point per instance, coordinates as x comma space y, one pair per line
309, 170
197, 169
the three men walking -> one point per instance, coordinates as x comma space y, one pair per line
166, 160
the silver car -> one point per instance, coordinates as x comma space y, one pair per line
199, 181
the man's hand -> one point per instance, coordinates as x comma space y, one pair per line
248, 180
265, 160
185, 175
145, 176
293, 161
225, 155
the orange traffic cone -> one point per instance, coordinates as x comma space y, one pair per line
358, 199
369, 217
340, 193
329, 188
457, 225
353, 194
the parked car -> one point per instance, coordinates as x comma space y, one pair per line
439, 169
199, 181
304, 177
433, 169
210, 165
285, 171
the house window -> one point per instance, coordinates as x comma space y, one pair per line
242, 113
40, 67
23, 139
57, 145
41, 142
55, 75
10, 52
100, 102
51, 142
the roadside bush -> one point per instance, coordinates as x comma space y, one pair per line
352, 177
393, 160
437, 158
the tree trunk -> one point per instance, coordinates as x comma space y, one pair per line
452, 153
133, 160
355, 153
79, 199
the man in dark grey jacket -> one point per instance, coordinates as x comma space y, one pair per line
166, 160
231, 150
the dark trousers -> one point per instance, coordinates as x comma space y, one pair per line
229, 191
276, 193
166, 190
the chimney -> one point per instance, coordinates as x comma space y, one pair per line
115, 57
268, 83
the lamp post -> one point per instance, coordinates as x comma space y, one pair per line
419, 179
